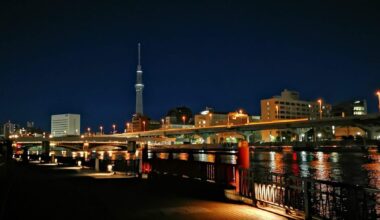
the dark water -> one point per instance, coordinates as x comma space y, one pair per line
362, 168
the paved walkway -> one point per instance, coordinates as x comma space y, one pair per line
47, 192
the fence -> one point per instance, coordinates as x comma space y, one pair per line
216, 171
313, 198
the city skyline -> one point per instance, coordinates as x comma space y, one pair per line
224, 56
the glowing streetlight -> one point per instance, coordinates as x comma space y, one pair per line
162, 123
320, 108
128, 126
143, 125
378, 97
184, 119
101, 130
277, 111
210, 114
89, 131
114, 128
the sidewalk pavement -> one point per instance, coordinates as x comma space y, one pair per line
48, 192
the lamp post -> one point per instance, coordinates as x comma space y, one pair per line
128, 126
277, 112
114, 128
162, 123
320, 108
143, 125
89, 131
378, 97
183, 119
210, 123
101, 130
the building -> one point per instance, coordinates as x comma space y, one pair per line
9, 128
142, 123
209, 117
65, 125
238, 117
179, 117
289, 106
349, 108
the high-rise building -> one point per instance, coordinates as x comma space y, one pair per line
139, 86
289, 106
9, 128
65, 124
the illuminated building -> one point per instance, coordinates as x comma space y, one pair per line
289, 106
65, 124
9, 129
209, 117
349, 108
180, 117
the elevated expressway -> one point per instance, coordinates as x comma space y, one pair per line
369, 123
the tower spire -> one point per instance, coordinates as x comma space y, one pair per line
139, 86
139, 56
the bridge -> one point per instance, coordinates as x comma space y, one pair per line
369, 123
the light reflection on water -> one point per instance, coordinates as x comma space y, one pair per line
350, 167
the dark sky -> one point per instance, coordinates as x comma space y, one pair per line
80, 56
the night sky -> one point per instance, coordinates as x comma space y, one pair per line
80, 56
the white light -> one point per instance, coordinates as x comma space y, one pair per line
109, 167
319, 135
205, 112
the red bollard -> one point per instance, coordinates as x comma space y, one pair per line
243, 155
242, 161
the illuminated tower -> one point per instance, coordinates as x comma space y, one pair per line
139, 86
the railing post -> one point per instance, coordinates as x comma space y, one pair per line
144, 164
217, 168
306, 185
243, 164
97, 164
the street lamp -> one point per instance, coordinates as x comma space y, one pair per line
89, 131
210, 123
162, 123
128, 126
114, 128
378, 97
183, 119
143, 125
101, 130
320, 108
277, 112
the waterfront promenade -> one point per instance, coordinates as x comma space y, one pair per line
50, 192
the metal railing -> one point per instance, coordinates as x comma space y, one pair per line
217, 172
313, 198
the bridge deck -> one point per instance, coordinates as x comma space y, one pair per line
48, 193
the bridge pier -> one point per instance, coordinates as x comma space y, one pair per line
205, 137
247, 135
45, 150
371, 132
